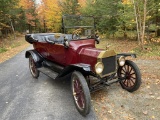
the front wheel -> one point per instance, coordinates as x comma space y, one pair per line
32, 67
81, 94
131, 76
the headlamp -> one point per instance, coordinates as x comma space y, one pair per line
121, 61
99, 67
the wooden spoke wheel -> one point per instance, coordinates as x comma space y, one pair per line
131, 74
81, 94
32, 67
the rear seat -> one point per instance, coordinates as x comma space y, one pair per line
41, 37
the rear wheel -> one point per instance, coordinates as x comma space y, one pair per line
132, 76
81, 94
32, 67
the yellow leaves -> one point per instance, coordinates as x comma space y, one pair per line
26, 4
153, 117
29, 7
49, 12
83, 2
126, 1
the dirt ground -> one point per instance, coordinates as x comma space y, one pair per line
114, 103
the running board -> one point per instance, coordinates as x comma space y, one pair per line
52, 74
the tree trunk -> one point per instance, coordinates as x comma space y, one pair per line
13, 30
136, 17
140, 21
144, 24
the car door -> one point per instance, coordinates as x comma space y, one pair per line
57, 52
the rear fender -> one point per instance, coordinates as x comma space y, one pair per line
38, 59
85, 69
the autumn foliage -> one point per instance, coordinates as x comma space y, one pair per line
49, 15
29, 7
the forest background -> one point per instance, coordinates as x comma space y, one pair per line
115, 19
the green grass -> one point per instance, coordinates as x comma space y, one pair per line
9, 43
3, 50
15, 45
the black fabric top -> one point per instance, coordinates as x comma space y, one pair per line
43, 37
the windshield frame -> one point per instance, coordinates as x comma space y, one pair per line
92, 27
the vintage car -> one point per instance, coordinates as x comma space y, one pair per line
73, 54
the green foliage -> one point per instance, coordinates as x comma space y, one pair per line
110, 15
5, 11
13, 17
3, 50
19, 19
69, 7
152, 27
114, 15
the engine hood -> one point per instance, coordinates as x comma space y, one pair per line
92, 55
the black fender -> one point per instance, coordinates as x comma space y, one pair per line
38, 59
85, 69
126, 55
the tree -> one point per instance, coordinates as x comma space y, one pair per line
6, 6
142, 8
70, 6
106, 14
49, 15
29, 7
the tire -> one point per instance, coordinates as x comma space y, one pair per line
132, 75
81, 93
32, 67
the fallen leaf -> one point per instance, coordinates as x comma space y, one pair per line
109, 111
158, 98
145, 112
153, 117
148, 87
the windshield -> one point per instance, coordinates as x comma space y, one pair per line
81, 27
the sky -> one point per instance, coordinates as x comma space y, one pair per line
38, 1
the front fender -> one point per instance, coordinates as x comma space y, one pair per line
38, 59
126, 55
85, 69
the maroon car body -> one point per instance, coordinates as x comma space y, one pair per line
58, 55
80, 51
